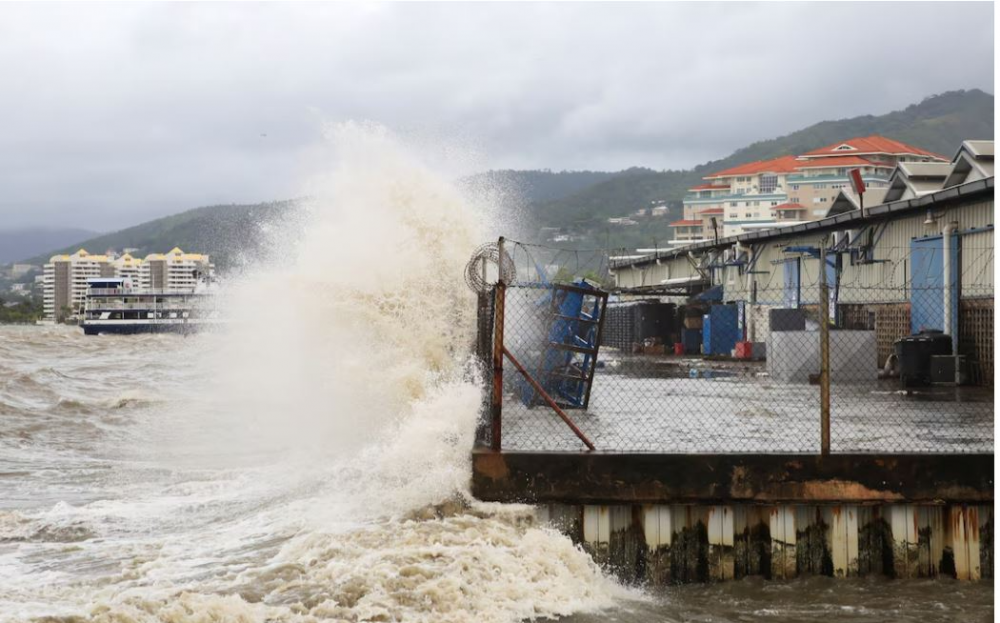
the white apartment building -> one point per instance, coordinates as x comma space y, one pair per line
65, 282
174, 270
65, 276
768, 193
128, 267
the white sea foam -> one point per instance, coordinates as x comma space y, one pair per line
310, 462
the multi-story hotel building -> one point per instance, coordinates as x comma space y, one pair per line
128, 267
65, 276
65, 282
789, 189
175, 270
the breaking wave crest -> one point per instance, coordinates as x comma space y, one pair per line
308, 463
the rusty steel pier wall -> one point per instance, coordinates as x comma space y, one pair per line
667, 519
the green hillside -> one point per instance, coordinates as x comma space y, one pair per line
939, 123
538, 186
577, 202
230, 233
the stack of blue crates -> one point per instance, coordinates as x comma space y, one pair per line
570, 351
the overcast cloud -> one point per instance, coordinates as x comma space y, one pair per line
112, 114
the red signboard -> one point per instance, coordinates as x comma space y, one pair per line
857, 182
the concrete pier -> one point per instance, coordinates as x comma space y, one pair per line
666, 519
682, 543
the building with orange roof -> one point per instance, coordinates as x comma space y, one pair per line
877, 147
748, 195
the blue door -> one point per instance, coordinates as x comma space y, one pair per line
927, 285
791, 292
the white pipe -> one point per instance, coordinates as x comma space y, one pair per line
748, 291
949, 287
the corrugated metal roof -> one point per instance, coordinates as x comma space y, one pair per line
979, 148
924, 169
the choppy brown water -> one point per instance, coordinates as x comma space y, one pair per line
310, 461
121, 501
307, 462
108, 513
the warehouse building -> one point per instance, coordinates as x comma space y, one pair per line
921, 261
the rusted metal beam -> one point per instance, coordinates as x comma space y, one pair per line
604, 478
548, 400
496, 409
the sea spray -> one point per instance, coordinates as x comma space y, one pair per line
366, 312
311, 461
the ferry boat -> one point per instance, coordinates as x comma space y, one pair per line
113, 305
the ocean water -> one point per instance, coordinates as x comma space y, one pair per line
309, 461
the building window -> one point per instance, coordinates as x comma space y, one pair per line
734, 204
749, 215
793, 200
768, 183
795, 186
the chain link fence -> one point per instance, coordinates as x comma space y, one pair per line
736, 363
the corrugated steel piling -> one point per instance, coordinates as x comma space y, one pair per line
661, 544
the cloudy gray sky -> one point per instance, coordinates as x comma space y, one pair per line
112, 114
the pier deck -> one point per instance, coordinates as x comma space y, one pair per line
713, 468
664, 518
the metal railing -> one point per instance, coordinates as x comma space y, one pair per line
836, 366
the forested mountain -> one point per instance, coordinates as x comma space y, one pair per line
17, 244
577, 202
230, 233
939, 123
537, 186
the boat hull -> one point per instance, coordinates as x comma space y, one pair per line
136, 328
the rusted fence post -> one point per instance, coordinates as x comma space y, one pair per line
824, 352
496, 410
